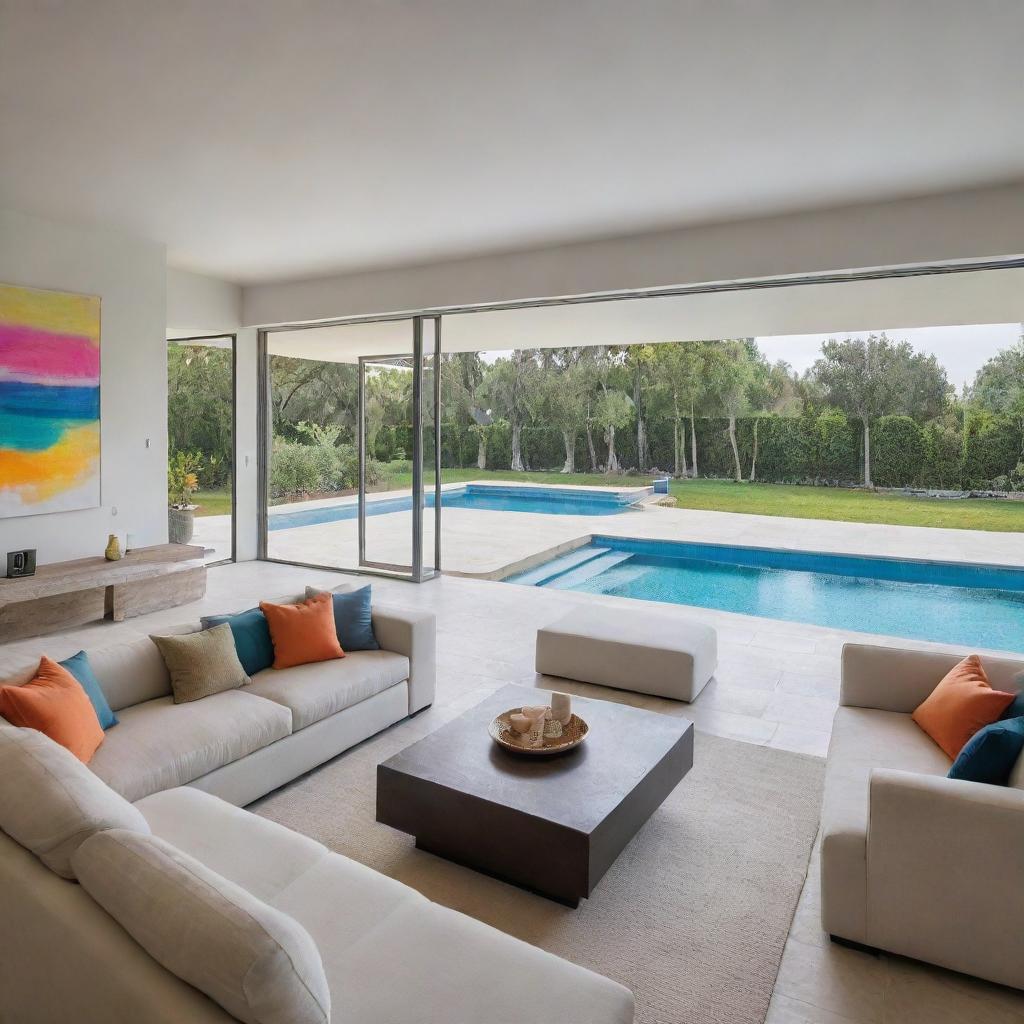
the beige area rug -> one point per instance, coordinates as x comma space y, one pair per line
692, 917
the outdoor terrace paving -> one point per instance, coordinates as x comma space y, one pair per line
494, 544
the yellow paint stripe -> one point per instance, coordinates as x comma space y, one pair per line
38, 476
59, 312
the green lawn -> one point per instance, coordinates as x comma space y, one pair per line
783, 500
212, 503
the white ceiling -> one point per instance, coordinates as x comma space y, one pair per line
275, 139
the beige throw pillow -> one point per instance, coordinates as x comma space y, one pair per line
201, 664
51, 803
256, 962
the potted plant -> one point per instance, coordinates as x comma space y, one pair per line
182, 482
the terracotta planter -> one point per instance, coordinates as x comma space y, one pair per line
181, 524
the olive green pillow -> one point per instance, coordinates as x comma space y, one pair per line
202, 663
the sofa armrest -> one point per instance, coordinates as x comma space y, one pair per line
945, 860
414, 635
896, 679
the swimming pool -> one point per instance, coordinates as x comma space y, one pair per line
558, 501
972, 605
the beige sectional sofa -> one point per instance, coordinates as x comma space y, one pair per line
912, 862
389, 954
241, 744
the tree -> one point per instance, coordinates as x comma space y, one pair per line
562, 397
771, 390
879, 377
678, 367
999, 385
641, 361
612, 411
461, 376
506, 387
730, 374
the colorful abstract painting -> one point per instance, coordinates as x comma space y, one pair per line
49, 401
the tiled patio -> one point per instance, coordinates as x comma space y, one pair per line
491, 544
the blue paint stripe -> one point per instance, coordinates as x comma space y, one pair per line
18, 398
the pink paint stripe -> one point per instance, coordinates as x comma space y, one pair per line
45, 354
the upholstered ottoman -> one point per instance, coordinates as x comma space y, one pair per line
629, 649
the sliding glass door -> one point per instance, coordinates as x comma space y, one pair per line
350, 453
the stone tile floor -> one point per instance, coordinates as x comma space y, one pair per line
777, 683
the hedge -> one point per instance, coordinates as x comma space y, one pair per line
814, 447
897, 451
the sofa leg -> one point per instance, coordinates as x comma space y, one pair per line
419, 711
859, 946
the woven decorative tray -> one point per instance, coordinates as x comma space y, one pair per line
504, 735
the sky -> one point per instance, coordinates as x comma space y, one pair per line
961, 350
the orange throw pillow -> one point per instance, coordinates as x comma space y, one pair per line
303, 632
54, 703
960, 705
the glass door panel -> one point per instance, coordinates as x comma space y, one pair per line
386, 385
351, 422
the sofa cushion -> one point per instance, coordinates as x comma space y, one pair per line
353, 617
78, 665
862, 739
224, 837
160, 744
454, 968
55, 703
201, 664
51, 803
302, 633
252, 638
960, 705
991, 753
315, 691
253, 960
131, 672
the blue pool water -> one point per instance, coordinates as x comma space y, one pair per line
970, 605
490, 497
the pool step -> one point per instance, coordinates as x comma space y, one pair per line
572, 578
543, 574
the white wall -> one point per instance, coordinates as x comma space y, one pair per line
129, 276
963, 225
198, 305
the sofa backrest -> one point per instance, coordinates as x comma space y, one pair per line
898, 679
129, 672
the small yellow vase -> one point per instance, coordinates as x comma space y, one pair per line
113, 552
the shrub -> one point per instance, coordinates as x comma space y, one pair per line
293, 469
991, 448
836, 447
785, 449
897, 451
943, 445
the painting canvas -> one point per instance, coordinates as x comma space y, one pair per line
49, 401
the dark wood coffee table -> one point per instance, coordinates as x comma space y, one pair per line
553, 824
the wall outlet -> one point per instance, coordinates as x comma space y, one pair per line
21, 563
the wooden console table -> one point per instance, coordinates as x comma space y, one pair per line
65, 594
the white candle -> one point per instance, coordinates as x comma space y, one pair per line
561, 707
